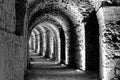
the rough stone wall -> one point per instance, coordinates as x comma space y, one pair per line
12, 47
109, 21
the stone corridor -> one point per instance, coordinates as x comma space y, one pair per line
43, 69
59, 39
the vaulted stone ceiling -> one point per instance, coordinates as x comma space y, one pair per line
83, 6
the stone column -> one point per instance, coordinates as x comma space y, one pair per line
109, 25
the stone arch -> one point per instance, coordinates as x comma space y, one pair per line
72, 13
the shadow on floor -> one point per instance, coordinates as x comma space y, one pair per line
48, 70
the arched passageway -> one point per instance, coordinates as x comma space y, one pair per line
69, 35
68, 32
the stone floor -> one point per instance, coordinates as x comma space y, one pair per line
42, 69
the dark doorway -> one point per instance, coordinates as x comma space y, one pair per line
92, 43
63, 54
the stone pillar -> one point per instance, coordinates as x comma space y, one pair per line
109, 25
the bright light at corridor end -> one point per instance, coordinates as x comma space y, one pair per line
83, 60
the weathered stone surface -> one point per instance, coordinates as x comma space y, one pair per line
12, 47
109, 41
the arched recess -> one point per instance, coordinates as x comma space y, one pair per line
71, 14
37, 40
